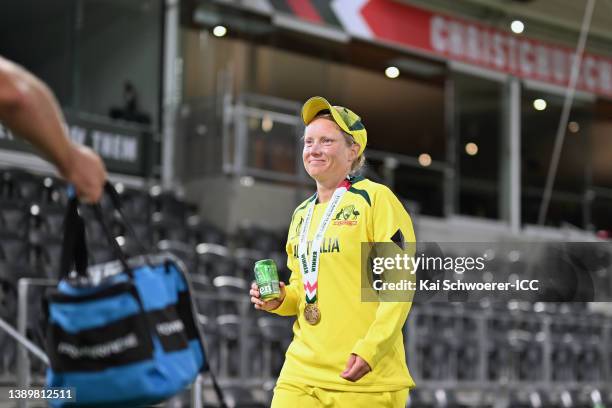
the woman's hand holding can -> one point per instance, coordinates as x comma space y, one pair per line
268, 305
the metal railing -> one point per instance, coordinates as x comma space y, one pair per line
26, 346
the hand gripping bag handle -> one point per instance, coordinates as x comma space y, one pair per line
74, 243
74, 248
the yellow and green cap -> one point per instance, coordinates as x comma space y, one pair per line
348, 120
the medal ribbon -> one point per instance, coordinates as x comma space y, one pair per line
310, 270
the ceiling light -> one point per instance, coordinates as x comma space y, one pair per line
573, 127
539, 104
392, 72
34, 210
471, 149
267, 123
219, 31
247, 181
424, 159
517, 26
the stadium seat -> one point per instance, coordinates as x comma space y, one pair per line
99, 253
14, 217
468, 358
241, 397
233, 291
275, 333
136, 203
167, 203
47, 220
8, 312
245, 259
525, 398
228, 326
8, 297
54, 192
259, 239
532, 360
499, 352
186, 253
214, 260
420, 399
564, 349
21, 185
208, 326
46, 257
230, 285
142, 228
207, 306
201, 283
200, 231
13, 249
8, 354
164, 227
446, 398
35, 329
280, 259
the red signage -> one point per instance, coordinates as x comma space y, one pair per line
470, 42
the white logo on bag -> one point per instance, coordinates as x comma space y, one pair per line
100, 350
168, 328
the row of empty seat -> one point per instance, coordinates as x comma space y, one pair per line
450, 344
466, 342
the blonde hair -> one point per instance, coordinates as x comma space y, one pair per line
357, 164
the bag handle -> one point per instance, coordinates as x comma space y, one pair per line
74, 244
74, 249
113, 195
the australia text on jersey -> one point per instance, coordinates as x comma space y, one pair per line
331, 244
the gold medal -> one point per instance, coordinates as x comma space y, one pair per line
312, 313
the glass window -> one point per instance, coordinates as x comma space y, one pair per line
479, 124
272, 145
404, 116
601, 152
101, 57
423, 186
540, 117
39, 35
118, 47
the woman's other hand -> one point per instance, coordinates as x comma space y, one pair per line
356, 367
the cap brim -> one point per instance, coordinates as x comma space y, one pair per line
317, 104
313, 106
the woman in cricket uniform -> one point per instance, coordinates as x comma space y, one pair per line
345, 352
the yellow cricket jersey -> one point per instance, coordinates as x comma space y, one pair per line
368, 212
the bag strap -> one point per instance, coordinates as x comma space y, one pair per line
74, 244
193, 315
111, 239
218, 391
74, 249
113, 195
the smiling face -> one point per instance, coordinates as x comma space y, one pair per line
326, 154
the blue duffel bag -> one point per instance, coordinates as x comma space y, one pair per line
125, 339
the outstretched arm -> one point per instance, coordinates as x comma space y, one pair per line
30, 110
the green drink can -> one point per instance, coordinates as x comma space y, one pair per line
266, 276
